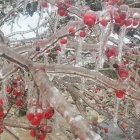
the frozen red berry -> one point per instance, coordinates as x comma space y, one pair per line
63, 40
103, 22
82, 33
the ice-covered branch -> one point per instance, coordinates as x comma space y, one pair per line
74, 119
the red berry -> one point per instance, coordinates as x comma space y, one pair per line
106, 130
63, 40
39, 115
1, 113
62, 12
32, 132
115, 66
42, 136
1, 130
122, 16
110, 52
20, 93
14, 84
82, 34
44, 4
30, 116
123, 73
132, 78
128, 22
71, 29
117, 19
135, 23
19, 102
47, 114
1, 102
138, 66
35, 121
103, 22
37, 48
57, 48
8, 89
120, 93
14, 92
89, 19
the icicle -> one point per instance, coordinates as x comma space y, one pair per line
137, 108
136, 74
12, 26
25, 4
101, 49
29, 85
41, 8
46, 58
51, 77
103, 39
57, 126
26, 78
116, 112
62, 55
79, 52
121, 43
58, 57
4, 96
17, 20
126, 109
17, 3
83, 84
125, 10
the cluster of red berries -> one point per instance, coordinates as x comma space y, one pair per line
122, 20
1, 115
15, 88
62, 8
37, 116
41, 131
82, 34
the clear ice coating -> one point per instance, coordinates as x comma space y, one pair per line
137, 108
121, 44
79, 52
116, 112
103, 38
